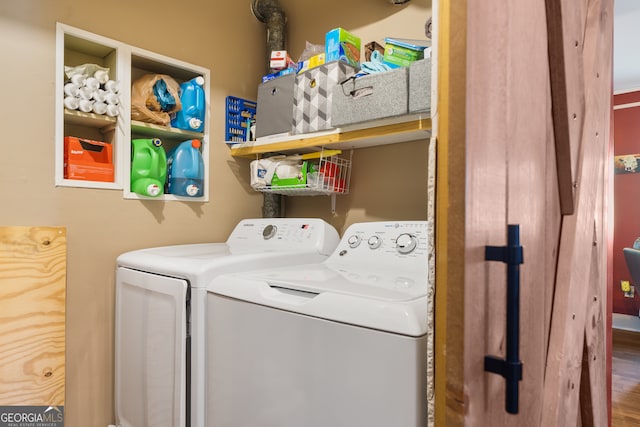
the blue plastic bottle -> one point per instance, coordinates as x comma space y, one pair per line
148, 167
191, 116
186, 170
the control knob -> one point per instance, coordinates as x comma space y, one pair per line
374, 242
354, 241
406, 243
269, 231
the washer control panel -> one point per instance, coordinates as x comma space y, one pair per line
385, 241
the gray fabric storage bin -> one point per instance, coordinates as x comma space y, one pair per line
275, 101
313, 96
420, 86
371, 97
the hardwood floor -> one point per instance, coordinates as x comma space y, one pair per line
625, 394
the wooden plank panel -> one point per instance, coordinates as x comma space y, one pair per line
593, 384
488, 137
565, 22
562, 378
552, 235
508, 126
32, 315
595, 327
528, 204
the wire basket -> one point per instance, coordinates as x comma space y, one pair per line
324, 176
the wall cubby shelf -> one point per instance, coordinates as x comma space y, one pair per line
126, 64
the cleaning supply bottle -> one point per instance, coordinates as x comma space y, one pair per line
186, 169
148, 167
191, 116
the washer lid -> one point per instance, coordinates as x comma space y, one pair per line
395, 303
356, 281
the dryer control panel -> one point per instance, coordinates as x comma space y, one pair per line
383, 243
288, 234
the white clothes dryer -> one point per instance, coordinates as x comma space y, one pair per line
160, 313
342, 343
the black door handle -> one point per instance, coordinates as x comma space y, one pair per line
510, 367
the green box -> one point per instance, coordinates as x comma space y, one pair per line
391, 49
395, 61
402, 52
298, 181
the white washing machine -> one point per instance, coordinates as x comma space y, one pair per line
342, 343
160, 313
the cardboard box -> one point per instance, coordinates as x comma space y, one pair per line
420, 86
371, 97
313, 96
341, 45
280, 60
314, 61
88, 160
275, 103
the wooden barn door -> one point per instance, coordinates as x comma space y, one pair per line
536, 116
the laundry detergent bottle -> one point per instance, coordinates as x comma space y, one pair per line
148, 167
191, 116
186, 169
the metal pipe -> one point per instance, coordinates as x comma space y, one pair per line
270, 13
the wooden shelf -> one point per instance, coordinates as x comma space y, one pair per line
89, 119
380, 132
157, 131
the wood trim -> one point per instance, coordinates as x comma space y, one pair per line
625, 106
609, 222
450, 214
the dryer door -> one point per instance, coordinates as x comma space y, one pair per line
150, 349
